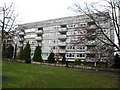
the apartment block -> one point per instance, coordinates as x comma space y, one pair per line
76, 36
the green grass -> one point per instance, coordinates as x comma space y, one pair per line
19, 75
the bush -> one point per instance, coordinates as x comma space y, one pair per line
63, 59
37, 55
77, 61
27, 53
116, 61
4, 51
10, 51
7, 52
80, 62
51, 58
20, 54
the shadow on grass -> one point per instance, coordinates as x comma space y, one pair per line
5, 78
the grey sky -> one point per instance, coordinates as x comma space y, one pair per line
37, 10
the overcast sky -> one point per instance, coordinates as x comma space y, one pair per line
38, 10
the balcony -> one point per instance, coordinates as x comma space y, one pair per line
81, 50
90, 51
39, 32
21, 33
59, 51
19, 45
90, 59
21, 39
33, 48
38, 38
62, 44
55, 51
38, 44
62, 37
91, 43
10, 39
92, 27
62, 30
29, 37
62, 51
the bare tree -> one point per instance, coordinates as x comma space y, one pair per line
7, 24
108, 13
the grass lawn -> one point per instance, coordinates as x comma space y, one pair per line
19, 75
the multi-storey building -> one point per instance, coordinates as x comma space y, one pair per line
76, 36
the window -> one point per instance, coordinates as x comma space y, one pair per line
53, 47
82, 24
45, 54
70, 47
104, 30
38, 35
51, 28
46, 48
70, 55
63, 26
68, 40
80, 55
81, 47
72, 25
45, 35
69, 33
38, 41
40, 28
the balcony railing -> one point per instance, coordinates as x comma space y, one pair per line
62, 37
39, 32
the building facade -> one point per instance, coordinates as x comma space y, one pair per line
77, 37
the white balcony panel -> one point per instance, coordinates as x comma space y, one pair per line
55, 51
10, 39
88, 59
80, 50
21, 39
91, 27
62, 30
19, 45
21, 33
62, 44
29, 37
62, 51
38, 38
39, 32
62, 37
38, 44
89, 51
